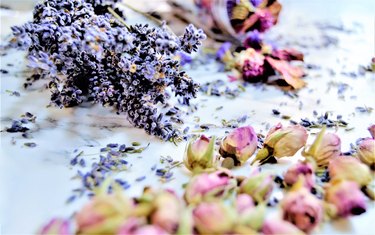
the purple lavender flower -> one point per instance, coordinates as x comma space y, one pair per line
230, 5
253, 40
223, 50
256, 3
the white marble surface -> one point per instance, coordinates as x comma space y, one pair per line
35, 182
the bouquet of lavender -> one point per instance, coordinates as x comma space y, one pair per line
88, 53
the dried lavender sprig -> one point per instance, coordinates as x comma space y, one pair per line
87, 54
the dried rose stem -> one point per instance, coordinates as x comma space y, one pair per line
180, 12
148, 16
118, 17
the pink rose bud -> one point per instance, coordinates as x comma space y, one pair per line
366, 152
347, 198
244, 203
371, 129
240, 144
325, 147
213, 218
304, 169
103, 214
136, 226
282, 142
56, 226
302, 209
349, 168
167, 210
200, 154
258, 185
208, 186
279, 227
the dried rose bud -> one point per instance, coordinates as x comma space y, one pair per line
240, 144
200, 154
347, 197
258, 185
103, 214
349, 168
207, 186
213, 218
325, 147
167, 210
56, 226
304, 169
302, 209
282, 142
244, 203
279, 227
251, 65
137, 226
371, 129
366, 152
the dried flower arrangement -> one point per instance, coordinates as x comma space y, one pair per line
87, 52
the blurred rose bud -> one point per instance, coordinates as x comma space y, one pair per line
137, 226
208, 186
240, 144
349, 168
167, 211
366, 152
103, 214
200, 154
325, 147
347, 197
56, 226
371, 129
302, 209
304, 169
282, 142
279, 227
258, 185
213, 218
243, 203
251, 63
